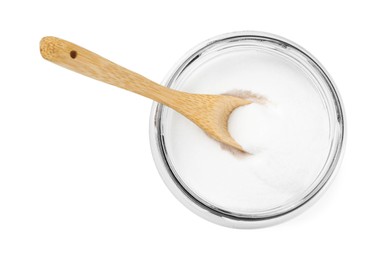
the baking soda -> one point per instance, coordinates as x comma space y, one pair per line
285, 131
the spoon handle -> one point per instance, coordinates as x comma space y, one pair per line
78, 59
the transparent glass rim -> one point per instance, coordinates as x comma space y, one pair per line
217, 215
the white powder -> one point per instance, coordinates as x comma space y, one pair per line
288, 135
257, 127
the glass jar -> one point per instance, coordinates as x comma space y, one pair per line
269, 188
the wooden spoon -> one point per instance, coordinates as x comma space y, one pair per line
209, 112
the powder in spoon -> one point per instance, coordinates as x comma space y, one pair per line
255, 98
253, 127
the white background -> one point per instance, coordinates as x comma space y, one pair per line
77, 180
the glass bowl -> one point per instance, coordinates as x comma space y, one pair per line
227, 196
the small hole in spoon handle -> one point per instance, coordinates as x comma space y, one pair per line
73, 54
